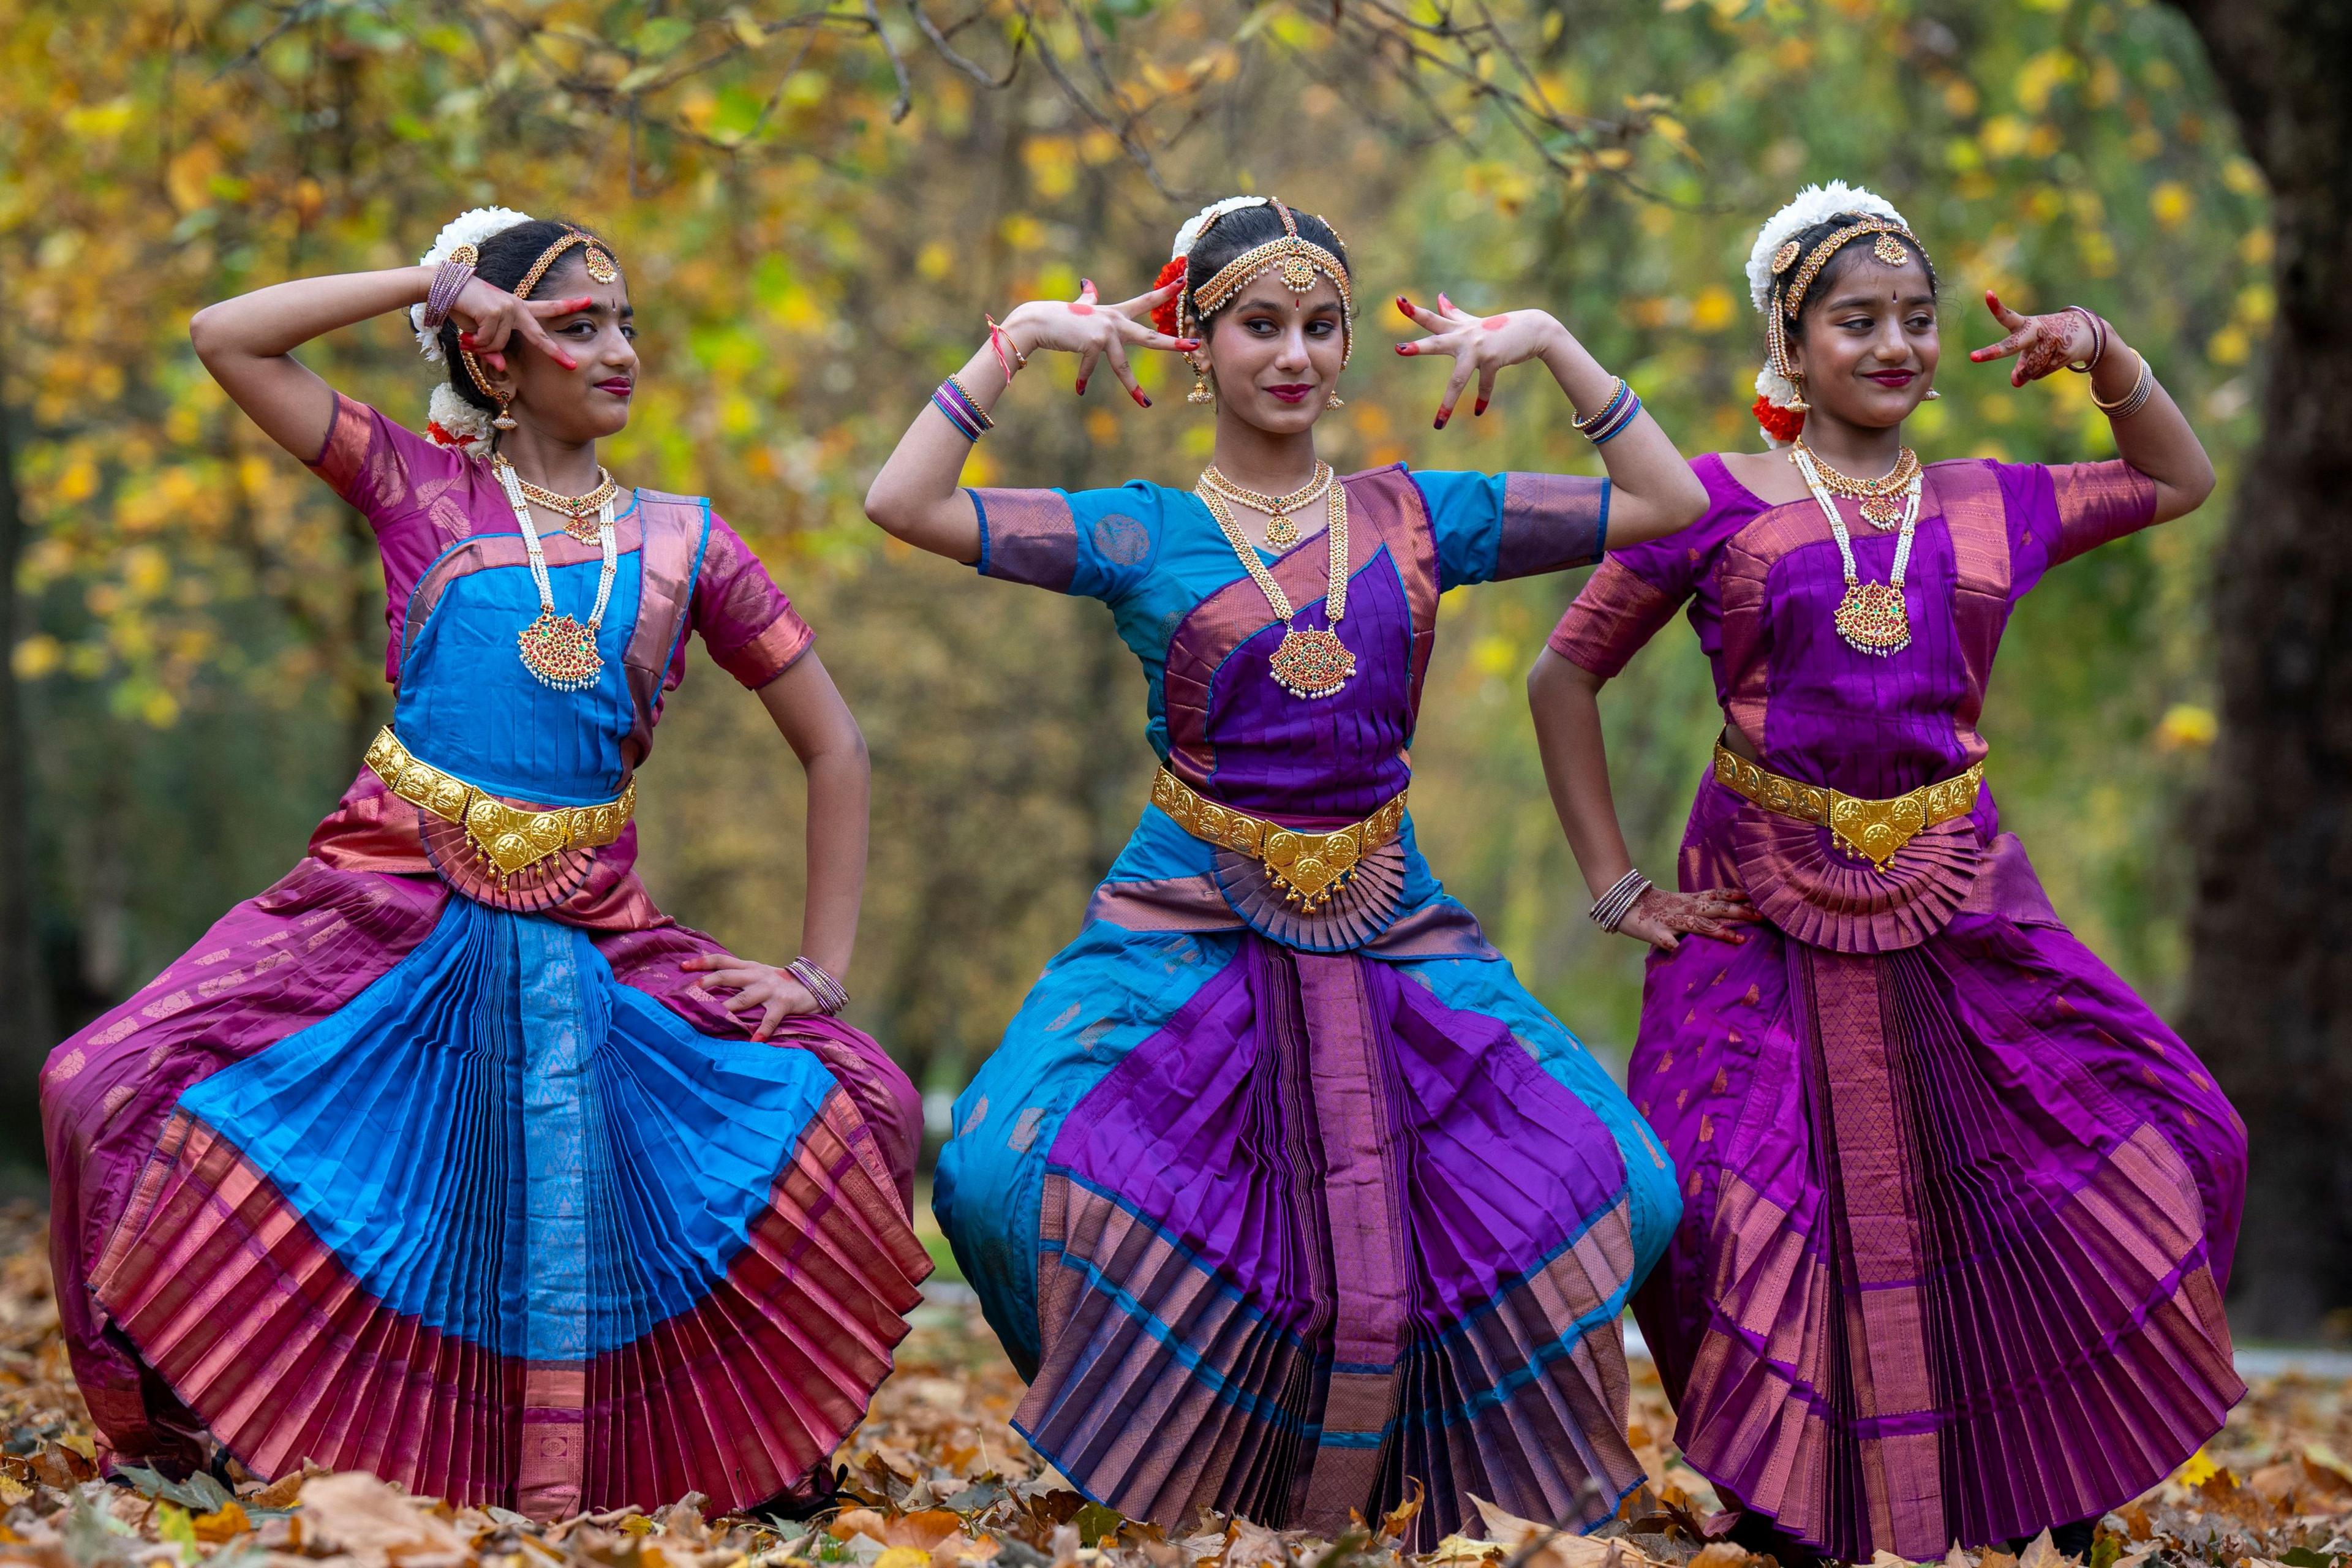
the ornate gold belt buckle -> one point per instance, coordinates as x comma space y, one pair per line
1311, 867
1877, 828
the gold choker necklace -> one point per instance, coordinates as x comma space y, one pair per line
1313, 663
1280, 532
579, 512
1882, 501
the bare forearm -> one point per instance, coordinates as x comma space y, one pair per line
839, 783
284, 316
1565, 701
1656, 492
2156, 440
917, 496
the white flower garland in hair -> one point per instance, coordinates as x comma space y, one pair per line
1812, 205
1189, 234
465, 228
452, 422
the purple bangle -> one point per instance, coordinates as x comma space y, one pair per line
828, 992
449, 281
947, 403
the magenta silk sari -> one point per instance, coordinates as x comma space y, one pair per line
1958, 1207
213, 1292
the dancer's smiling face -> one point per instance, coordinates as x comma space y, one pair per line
1274, 356
590, 401
1866, 338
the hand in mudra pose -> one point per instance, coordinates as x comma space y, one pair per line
1663, 919
1095, 332
1482, 345
2042, 344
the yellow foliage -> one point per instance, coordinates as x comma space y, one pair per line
1713, 310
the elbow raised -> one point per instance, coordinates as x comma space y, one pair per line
203, 333
881, 508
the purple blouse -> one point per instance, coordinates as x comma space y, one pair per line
1762, 581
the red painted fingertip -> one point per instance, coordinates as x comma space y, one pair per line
1442, 302
1443, 416
1086, 285
1141, 401
465, 340
1477, 408
1081, 388
1404, 307
1407, 350
1188, 345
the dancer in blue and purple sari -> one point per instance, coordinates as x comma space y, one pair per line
1283, 1193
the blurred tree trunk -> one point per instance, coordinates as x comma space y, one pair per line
24, 994
2270, 1003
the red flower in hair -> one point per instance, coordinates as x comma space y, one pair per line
1781, 423
441, 437
1163, 315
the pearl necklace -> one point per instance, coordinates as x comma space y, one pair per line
558, 650
1872, 618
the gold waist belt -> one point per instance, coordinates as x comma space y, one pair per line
510, 839
1307, 866
1873, 828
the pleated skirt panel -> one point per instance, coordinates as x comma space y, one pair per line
507, 1231
1318, 1239
1957, 1221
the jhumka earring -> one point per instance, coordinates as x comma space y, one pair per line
1199, 393
1335, 401
505, 421
1798, 405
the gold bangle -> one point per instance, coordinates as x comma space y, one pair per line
2143, 387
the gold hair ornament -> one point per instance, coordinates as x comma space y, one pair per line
1298, 261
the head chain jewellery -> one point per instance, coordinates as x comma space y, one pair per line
601, 268
1298, 258
558, 650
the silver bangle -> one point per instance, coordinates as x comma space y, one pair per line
829, 993
1609, 909
2131, 402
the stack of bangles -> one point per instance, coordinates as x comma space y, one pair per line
963, 411
1609, 909
1611, 421
449, 281
2143, 385
831, 998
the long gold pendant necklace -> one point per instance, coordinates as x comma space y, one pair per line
1313, 663
1281, 533
579, 512
558, 650
1872, 618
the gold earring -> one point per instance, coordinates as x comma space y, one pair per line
1336, 400
1199, 393
505, 421
1798, 405
1932, 395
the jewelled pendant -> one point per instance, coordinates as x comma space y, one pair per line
560, 652
583, 529
1884, 511
1311, 663
1280, 532
1872, 619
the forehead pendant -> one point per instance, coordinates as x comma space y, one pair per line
600, 266
1889, 250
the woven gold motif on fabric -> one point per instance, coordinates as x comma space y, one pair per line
509, 838
1308, 867
1872, 829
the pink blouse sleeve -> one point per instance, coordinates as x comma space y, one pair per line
418, 497
1617, 612
743, 618
2098, 502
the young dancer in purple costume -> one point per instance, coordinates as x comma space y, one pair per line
1284, 1193
1958, 1208
450, 1157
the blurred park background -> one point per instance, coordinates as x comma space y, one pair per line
815, 200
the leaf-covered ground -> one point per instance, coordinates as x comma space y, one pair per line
939, 1478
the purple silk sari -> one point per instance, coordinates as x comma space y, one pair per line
1958, 1207
202, 1304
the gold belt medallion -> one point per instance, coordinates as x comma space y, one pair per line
1872, 829
510, 839
1308, 867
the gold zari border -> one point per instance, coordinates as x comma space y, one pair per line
1307, 866
1874, 829
511, 839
